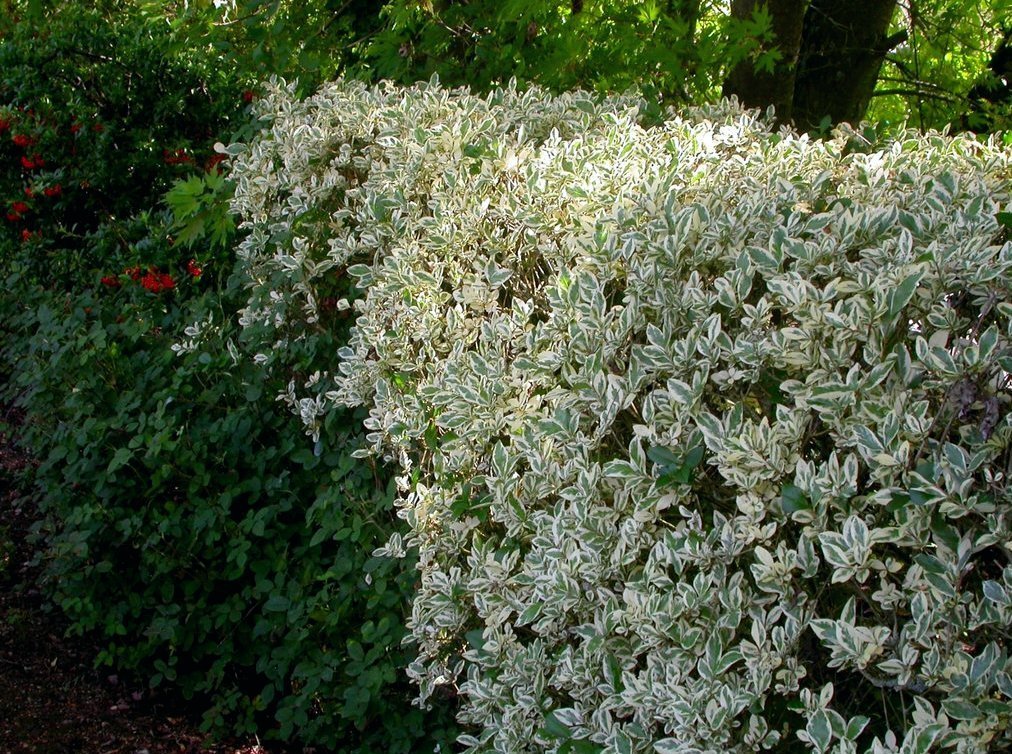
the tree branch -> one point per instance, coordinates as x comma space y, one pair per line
916, 93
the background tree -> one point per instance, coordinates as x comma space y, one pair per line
828, 59
934, 78
991, 98
674, 48
818, 62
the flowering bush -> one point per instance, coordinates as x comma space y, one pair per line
704, 428
189, 529
95, 125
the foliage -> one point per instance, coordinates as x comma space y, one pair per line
612, 357
704, 429
189, 526
312, 40
677, 49
680, 51
926, 81
200, 207
98, 115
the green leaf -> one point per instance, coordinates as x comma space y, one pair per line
925, 737
820, 730
693, 457
553, 728
793, 499
306, 458
960, 710
930, 563
475, 638
530, 614
675, 470
945, 532
995, 592
580, 746
355, 651
662, 456
901, 295
623, 744
726, 661
276, 603
121, 457
898, 501
855, 726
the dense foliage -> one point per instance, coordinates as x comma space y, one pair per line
938, 60
955, 53
187, 523
190, 526
682, 50
703, 428
98, 116
690, 435
678, 49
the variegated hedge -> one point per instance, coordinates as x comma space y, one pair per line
704, 428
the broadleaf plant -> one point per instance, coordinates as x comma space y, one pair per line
732, 400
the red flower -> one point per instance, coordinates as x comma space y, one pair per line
98, 128
26, 235
29, 192
178, 157
156, 281
37, 159
213, 161
23, 140
134, 273
75, 127
52, 191
151, 282
13, 217
5, 124
111, 281
19, 207
248, 96
27, 163
193, 269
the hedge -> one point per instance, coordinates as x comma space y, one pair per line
703, 427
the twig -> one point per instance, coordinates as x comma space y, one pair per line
916, 93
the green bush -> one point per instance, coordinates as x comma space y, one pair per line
205, 542
704, 428
196, 532
100, 112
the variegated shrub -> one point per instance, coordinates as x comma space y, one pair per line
704, 428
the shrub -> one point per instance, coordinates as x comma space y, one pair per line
704, 428
100, 111
194, 531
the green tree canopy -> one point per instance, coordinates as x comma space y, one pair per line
929, 63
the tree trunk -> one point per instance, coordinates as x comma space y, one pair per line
762, 89
831, 52
842, 48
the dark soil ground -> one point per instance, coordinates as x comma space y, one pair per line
52, 700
